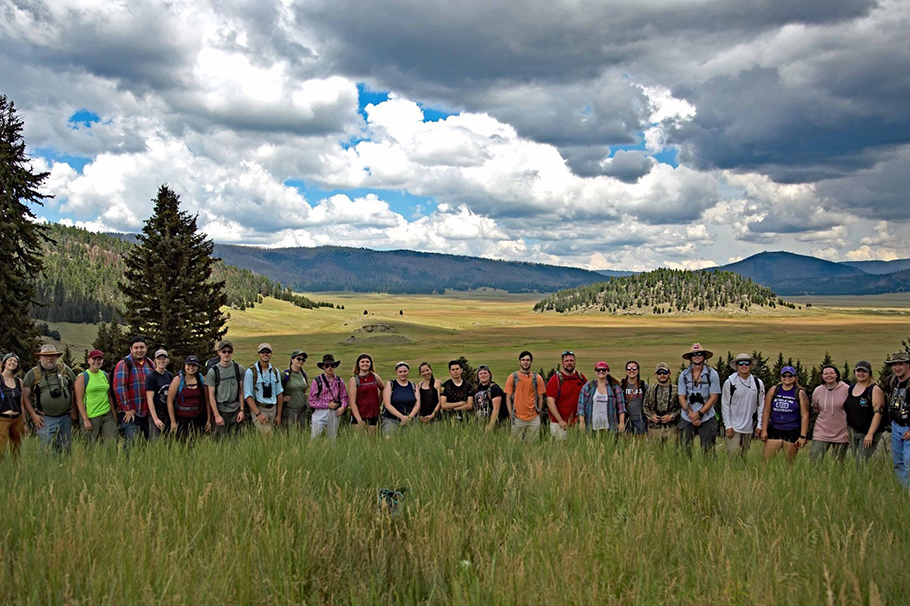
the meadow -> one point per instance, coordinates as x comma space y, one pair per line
485, 520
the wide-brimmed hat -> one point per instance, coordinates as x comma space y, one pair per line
697, 348
49, 350
743, 357
328, 360
898, 356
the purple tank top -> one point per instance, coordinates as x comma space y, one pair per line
785, 413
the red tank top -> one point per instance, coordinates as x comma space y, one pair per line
189, 402
368, 396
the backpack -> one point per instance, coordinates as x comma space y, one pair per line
201, 384
534, 376
87, 375
757, 399
238, 374
560, 379
286, 376
320, 381
255, 368
66, 384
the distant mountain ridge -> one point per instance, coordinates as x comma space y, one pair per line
336, 268
790, 274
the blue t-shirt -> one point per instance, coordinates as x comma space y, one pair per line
785, 413
403, 399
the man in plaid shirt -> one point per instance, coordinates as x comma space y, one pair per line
129, 390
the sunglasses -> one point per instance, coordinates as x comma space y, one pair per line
568, 353
663, 372
227, 351
744, 363
628, 369
600, 370
300, 359
265, 351
697, 355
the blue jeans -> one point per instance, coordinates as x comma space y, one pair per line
138, 427
57, 433
900, 452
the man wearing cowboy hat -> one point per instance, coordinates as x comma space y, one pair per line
899, 407
742, 398
699, 390
261, 389
328, 398
54, 410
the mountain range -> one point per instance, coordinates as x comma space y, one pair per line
336, 268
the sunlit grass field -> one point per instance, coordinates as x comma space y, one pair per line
485, 520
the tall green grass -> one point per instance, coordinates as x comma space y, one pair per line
485, 520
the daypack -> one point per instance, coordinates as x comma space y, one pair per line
87, 375
757, 401
320, 381
238, 374
255, 368
286, 376
66, 384
560, 379
180, 401
537, 405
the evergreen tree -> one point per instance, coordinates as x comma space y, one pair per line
112, 342
171, 297
22, 237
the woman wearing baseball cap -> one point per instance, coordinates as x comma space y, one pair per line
187, 401
785, 419
95, 400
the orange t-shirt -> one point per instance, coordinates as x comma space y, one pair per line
524, 395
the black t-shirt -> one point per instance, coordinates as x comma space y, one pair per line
456, 393
898, 406
159, 383
483, 401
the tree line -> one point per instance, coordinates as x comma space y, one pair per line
665, 291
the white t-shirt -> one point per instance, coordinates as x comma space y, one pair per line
600, 418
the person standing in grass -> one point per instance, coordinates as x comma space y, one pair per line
130, 375
428, 389
699, 390
488, 396
95, 400
828, 399
634, 391
601, 408
455, 396
157, 385
12, 421
562, 396
51, 382
864, 408
224, 384
661, 406
328, 398
187, 402
525, 395
364, 393
399, 401
785, 418
261, 390
292, 406
899, 408
742, 400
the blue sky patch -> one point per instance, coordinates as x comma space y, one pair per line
399, 201
52, 155
665, 156
83, 117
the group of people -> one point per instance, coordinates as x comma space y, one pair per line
143, 399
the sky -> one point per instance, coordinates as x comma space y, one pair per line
600, 134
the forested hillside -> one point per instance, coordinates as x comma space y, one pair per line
82, 271
664, 291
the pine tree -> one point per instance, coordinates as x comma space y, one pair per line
22, 237
112, 342
171, 298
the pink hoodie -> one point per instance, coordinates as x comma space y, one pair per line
831, 425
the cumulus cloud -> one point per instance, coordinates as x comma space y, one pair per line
787, 121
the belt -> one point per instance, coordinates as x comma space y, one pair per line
12, 414
261, 405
